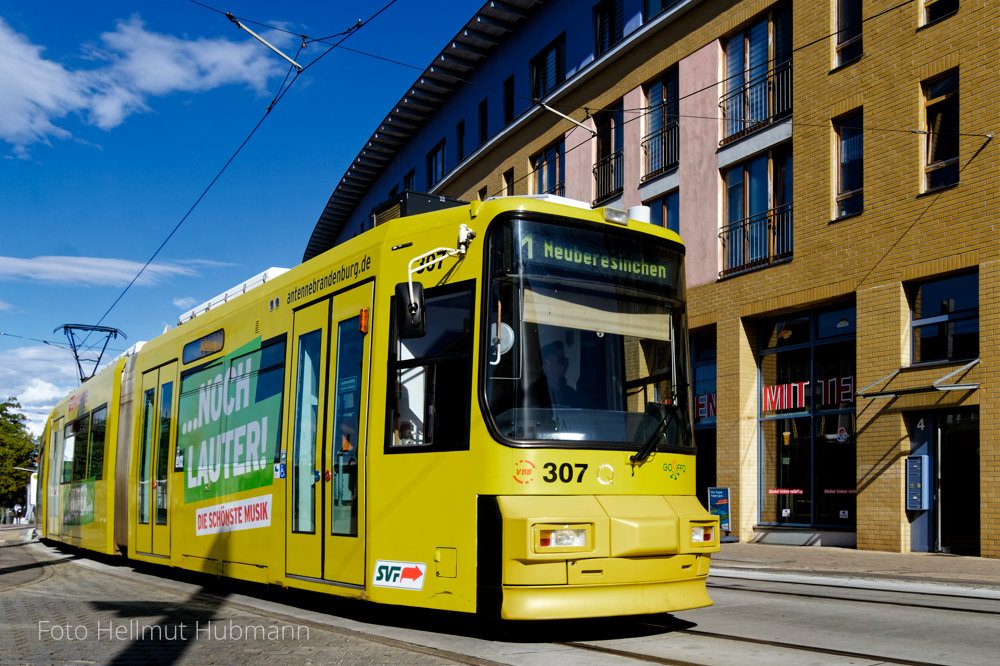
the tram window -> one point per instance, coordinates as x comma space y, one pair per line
163, 453
148, 403
430, 377
95, 464
69, 444
75, 450
205, 346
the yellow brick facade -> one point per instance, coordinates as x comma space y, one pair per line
904, 234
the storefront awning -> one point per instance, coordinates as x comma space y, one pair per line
938, 385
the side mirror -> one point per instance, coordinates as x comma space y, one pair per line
410, 321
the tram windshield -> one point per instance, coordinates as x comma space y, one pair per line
586, 338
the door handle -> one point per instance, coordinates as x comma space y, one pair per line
328, 475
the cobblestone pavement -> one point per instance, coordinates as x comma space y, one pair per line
56, 609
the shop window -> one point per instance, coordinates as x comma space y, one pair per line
704, 362
850, 162
935, 10
807, 421
435, 165
946, 319
548, 68
941, 147
665, 211
608, 25
550, 170
849, 44
430, 377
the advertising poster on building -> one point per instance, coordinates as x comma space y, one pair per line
718, 505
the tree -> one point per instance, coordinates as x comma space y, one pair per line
17, 449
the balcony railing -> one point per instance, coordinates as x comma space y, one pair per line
756, 241
608, 177
661, 150
758, 103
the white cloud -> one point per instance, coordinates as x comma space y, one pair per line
37, 377
5, 306
185, 303
132, 65
89, 271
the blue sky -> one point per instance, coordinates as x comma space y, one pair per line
114, 116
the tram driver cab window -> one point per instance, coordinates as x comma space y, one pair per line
430, 377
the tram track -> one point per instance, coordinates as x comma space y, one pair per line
861, 599
797, 647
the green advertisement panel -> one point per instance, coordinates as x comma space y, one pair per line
230, 417
78, 503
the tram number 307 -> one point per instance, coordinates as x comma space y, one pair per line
563, 472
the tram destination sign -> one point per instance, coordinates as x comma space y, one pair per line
638, 261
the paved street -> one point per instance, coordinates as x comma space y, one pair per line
59, 608
773, 605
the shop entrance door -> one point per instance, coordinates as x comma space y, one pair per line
951, 440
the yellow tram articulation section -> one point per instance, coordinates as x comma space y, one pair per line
296, 436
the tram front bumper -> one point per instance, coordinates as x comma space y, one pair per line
620, 555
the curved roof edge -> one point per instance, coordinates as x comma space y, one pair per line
463, 54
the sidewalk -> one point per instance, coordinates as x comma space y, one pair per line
847, 562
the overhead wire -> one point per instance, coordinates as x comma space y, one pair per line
282, 90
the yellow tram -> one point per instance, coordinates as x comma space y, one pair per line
484, 408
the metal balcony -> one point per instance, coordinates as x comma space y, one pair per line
608, 177
756, 241
757, 104
661, 151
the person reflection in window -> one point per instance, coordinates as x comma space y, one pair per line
551, 388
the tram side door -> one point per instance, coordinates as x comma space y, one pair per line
53, 471
344, 459
153, 489
304, 519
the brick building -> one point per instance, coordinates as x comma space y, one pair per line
831, 169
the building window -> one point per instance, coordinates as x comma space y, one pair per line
849, 44
807, 420
654, 7
660, 146
408, 179
758, 87
941, 149
482, 193
460, 139
508, 101
548, 68
508, 182
758, 226
483, 128
935, 10
435, 165
608, 171
946, 319
665, 211
608, 25
550, 170
850, 160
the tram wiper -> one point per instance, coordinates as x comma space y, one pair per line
651, 443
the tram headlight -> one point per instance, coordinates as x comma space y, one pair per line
702, 533
562, 538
